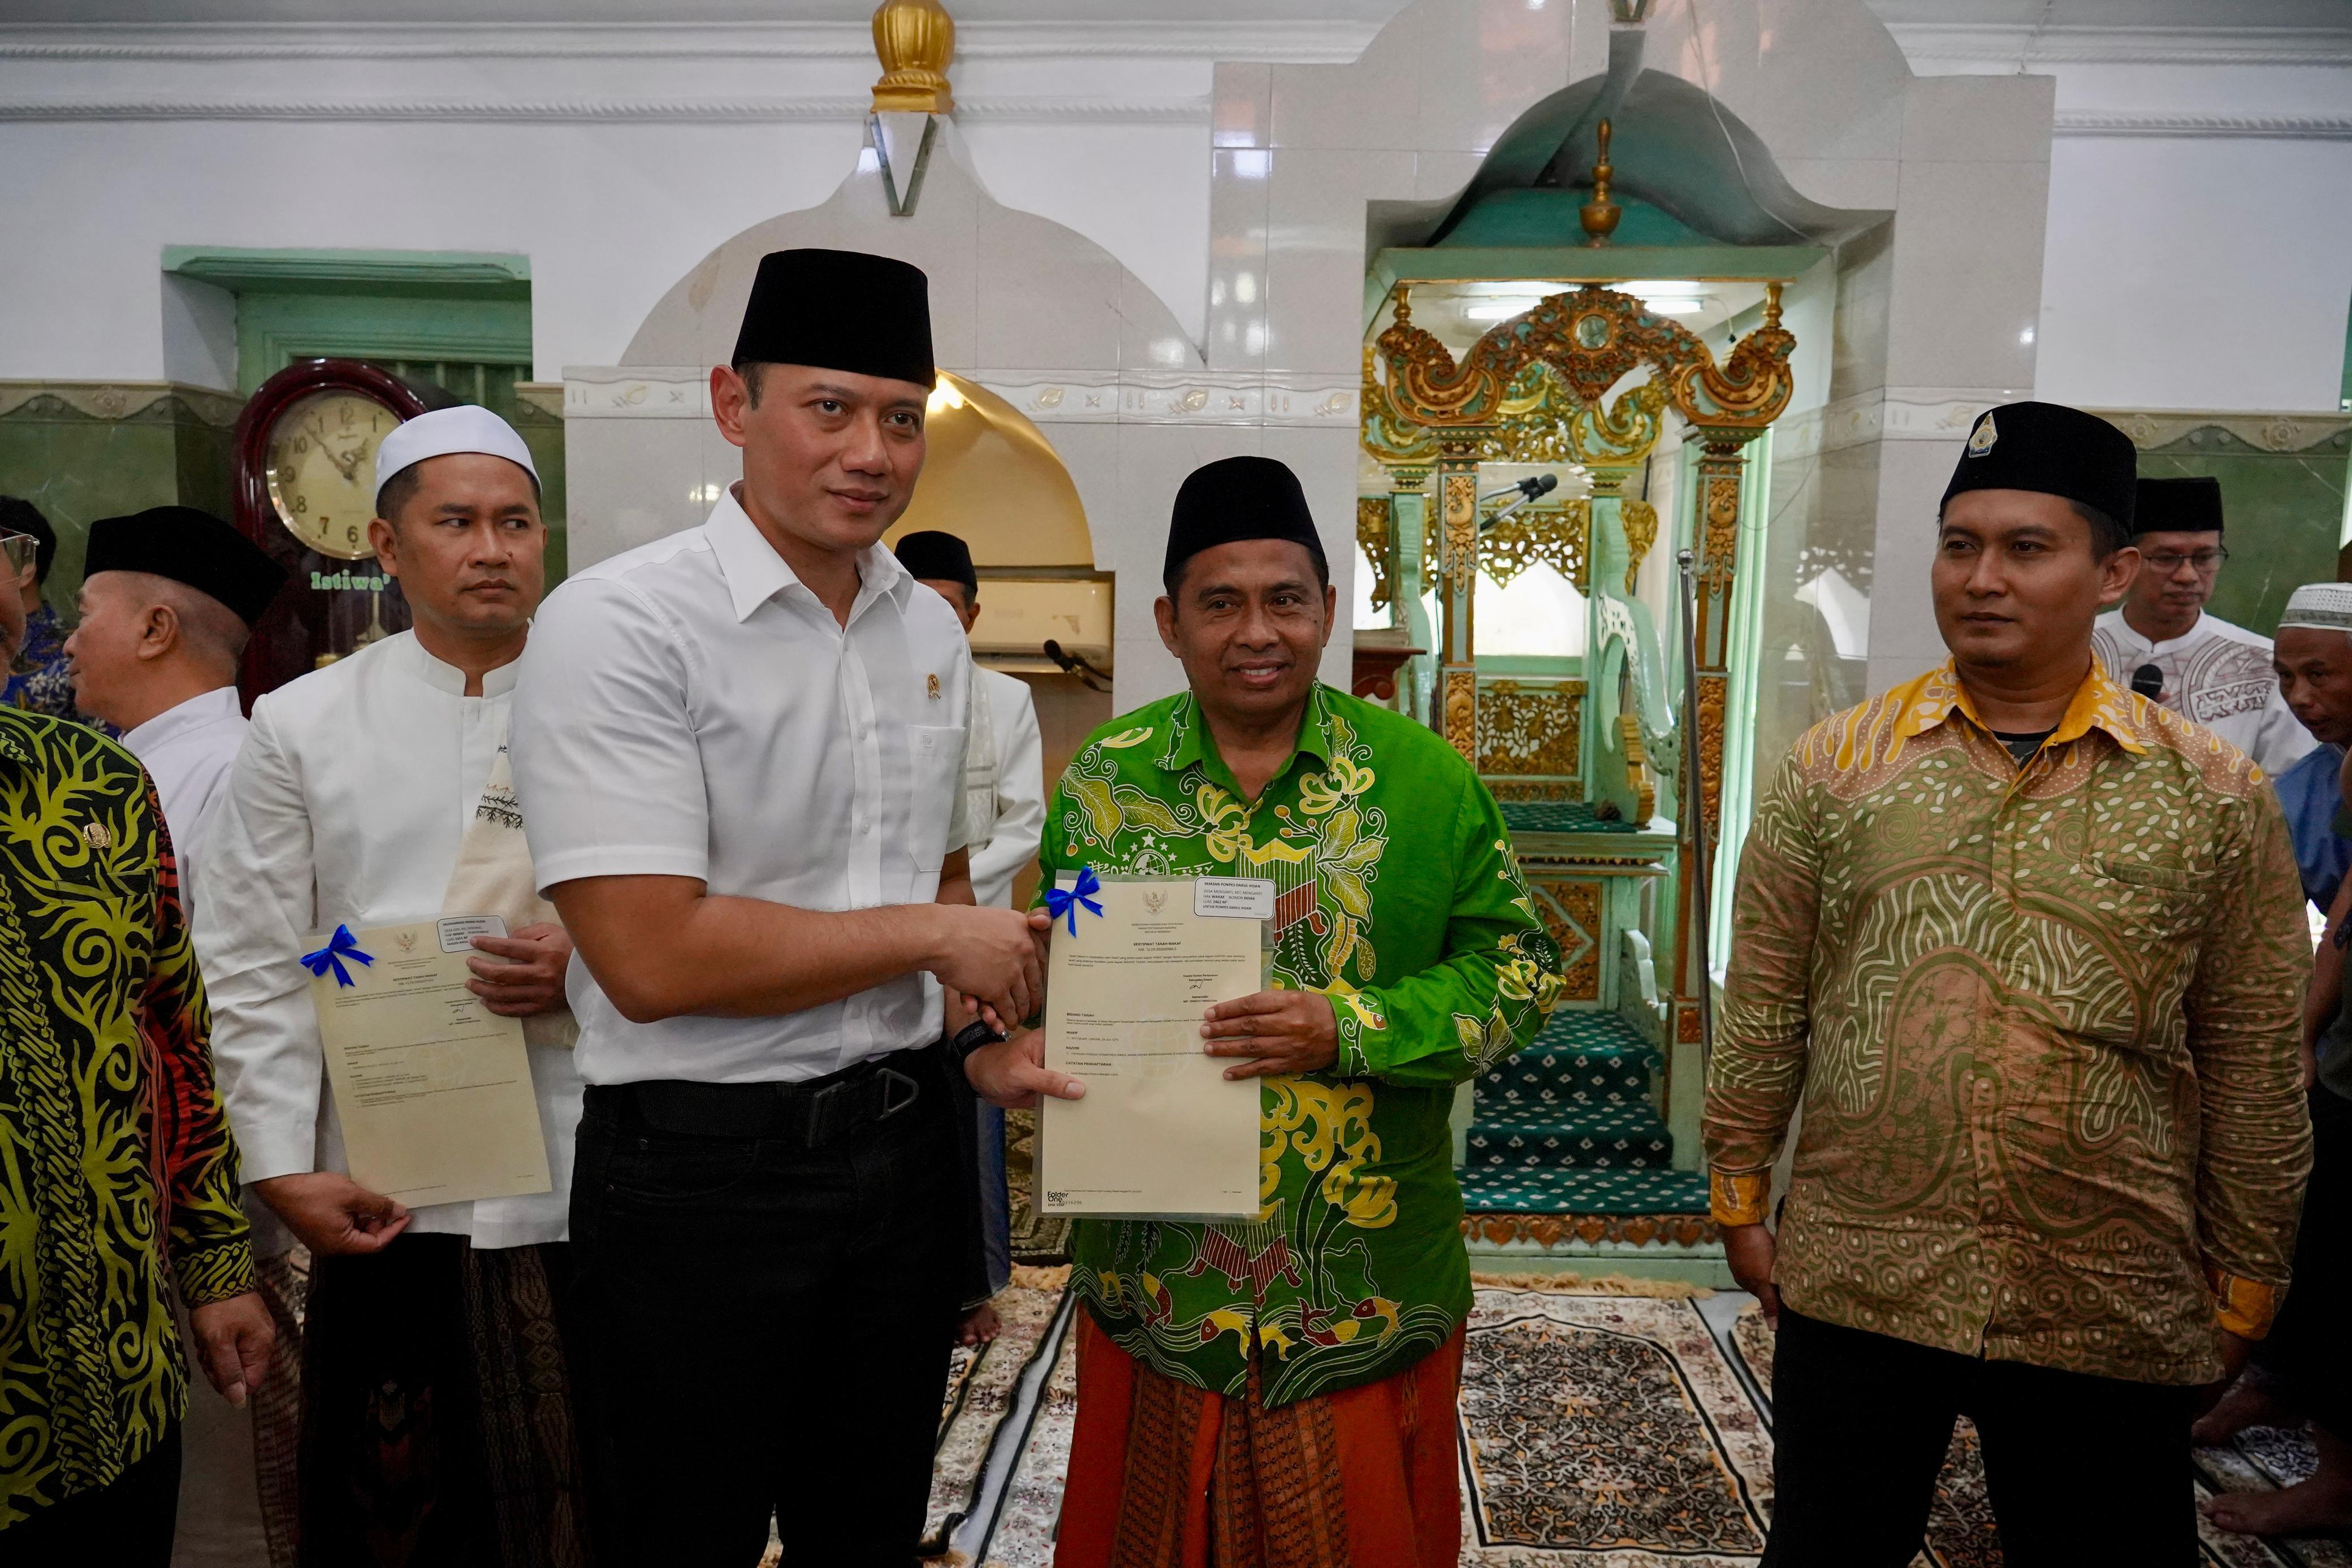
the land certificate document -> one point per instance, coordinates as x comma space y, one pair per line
1162, 1132
433, 1089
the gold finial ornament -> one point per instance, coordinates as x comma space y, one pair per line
1598, 215
914, 39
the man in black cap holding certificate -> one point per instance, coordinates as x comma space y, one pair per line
2027, 946
739, 751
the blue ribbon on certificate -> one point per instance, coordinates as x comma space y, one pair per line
342, 945
1060, 902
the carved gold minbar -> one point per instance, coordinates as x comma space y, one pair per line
1531, 390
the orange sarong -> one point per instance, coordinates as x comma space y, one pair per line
1164, 1474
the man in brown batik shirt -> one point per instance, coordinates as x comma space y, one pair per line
2028, 948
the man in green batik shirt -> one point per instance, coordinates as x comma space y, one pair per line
1306, 1363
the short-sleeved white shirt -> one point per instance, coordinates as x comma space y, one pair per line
690, 708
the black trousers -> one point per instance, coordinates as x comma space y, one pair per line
2304, 1349
436, 1409
766, 1326
2080, 1470
126, 1525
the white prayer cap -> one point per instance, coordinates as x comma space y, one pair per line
465, 428
2326, 605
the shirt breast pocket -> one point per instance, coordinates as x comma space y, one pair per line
2142, 903
935, 783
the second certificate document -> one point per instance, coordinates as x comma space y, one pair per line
1161, 1131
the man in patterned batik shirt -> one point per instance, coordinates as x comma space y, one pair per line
1304, 1366
2206, 670
117, 1179
2028, 948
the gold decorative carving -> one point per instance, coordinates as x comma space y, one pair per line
1638, 781
1376, 536
914, 39
1550, 1230
1530, 728
1462, 713
1559, 534
1712, 691
1719, 547
1641, 523
1540, 422
1589, 339
1600, 215
1571, 913
1460, 499
1621, 437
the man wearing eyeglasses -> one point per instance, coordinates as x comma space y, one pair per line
2161, 643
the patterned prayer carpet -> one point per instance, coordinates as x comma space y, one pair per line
1603, 1429
1022, 1534
982, 1383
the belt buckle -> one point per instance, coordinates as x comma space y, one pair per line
818, 1130
893, 1103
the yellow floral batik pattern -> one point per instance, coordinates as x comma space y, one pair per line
1354, 1268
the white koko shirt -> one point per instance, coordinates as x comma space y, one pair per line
690, 708
346, 807
1005, 784
188, 750
2219, 676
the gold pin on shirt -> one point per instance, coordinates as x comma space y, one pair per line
933, 687
96, 836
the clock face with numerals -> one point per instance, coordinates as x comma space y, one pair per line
323, 469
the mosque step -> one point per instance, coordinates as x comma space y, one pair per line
1584, 1056
1559, 817
1552, 1190
1593, 1137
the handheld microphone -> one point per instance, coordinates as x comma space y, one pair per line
2149, 682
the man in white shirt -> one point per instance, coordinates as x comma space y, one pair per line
2161, 643
1005, 796
739, 751
168, 598
374, 792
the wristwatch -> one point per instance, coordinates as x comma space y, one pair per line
970, 1038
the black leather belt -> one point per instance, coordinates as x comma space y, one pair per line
813, 1113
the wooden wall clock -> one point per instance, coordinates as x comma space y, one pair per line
305, 485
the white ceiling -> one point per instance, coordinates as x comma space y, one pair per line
2218, 14
584, 12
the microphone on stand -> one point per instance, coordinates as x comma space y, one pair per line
2149, 682
1077, 664
1528, 488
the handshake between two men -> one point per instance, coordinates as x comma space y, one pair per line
998, 975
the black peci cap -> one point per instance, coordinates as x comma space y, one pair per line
190, 546
938, 557
839, 310
1237, 498
2052, 449
2179, 507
